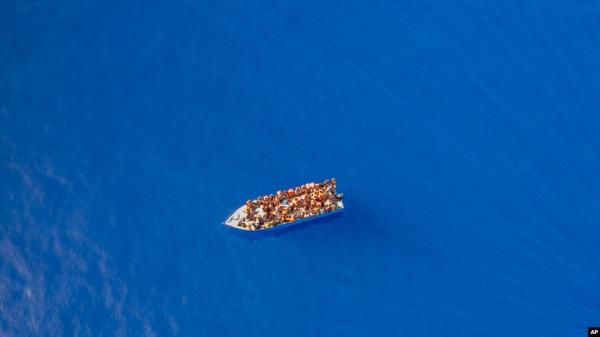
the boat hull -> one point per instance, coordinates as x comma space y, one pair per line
231, 221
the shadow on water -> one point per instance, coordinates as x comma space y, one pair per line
358, 223
353, 221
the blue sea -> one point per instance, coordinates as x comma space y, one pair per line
465, 136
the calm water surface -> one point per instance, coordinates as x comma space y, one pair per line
464, 134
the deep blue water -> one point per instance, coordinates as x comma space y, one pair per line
464, 134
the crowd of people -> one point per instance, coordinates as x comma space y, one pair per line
288, 206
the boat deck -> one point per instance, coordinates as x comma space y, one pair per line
237, 216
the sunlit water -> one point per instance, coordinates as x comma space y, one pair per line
464, 135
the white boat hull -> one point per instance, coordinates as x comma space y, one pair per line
238, 215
